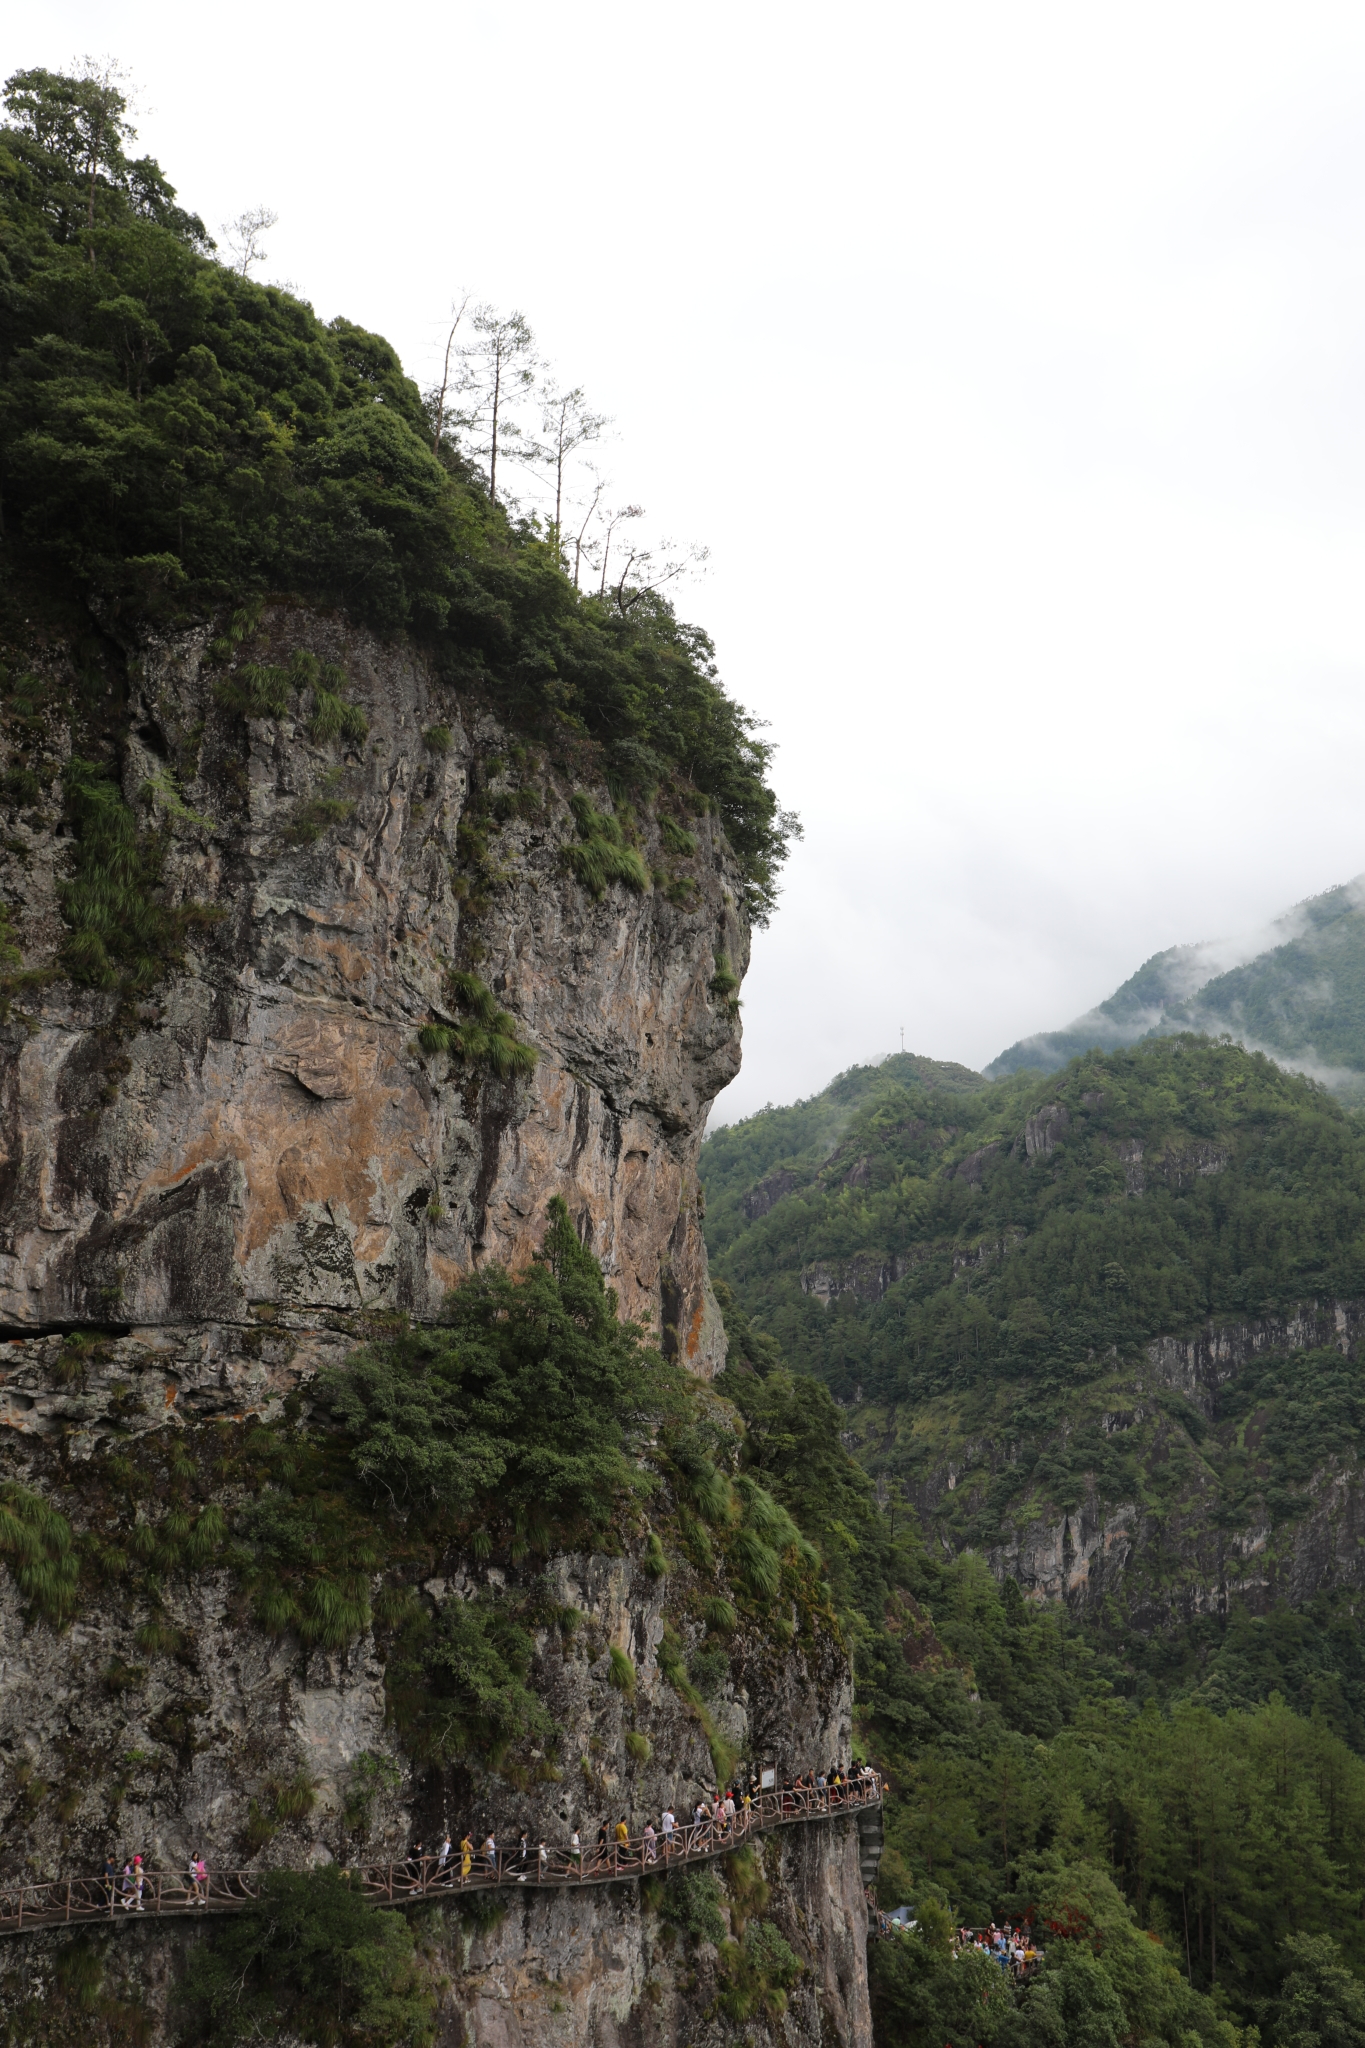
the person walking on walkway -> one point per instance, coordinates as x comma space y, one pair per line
575, 1854
668, 1824
110, 1879
650, 1842
443, 1856
466, 1856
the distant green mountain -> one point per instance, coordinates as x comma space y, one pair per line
1295, 991
1102, 1327
750, 1165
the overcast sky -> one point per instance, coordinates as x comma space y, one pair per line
1009, 360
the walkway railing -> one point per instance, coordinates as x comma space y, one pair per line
172, 1893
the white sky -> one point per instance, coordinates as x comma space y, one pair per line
1011, 360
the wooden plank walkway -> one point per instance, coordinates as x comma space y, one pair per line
60, 1902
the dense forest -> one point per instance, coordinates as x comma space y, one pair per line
922, 1273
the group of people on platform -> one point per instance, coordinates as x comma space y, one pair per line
717, 1817
1012, 1947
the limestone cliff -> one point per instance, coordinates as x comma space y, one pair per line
230, 1178
264, 1147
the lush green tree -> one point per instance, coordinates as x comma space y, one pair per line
312, 1960
530, 1401
1321, 2004
176, 440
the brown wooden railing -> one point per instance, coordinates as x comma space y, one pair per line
54, 1902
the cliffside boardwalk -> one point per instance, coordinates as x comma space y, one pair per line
27, 1908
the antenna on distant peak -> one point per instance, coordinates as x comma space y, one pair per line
902, 1038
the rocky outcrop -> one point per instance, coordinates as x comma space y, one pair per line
263, 1145
179, 1753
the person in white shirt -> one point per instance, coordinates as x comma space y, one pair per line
649, 1839
668, 1826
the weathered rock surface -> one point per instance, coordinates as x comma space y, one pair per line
266, 1144
229, 1184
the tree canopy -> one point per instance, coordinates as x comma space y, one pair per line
175, 438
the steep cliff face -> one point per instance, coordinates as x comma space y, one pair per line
228, 1178
263, 1146
175, 1761
1202, 1522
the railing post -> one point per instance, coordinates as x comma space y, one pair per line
158, 1891
68, 1898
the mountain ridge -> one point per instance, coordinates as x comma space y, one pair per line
1294, 989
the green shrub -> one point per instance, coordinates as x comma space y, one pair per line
694, 1902
757, 1564
438, 739
758, 1972
296, 1797
315, 817
486, 1036
309, 1959
656, 1558
334, 718
724, 981
676, 839
255, 691
603, 857
719, 1615
533, 1398
708, 1669
637, 1745
120, 934
258, 1829
461, 1689
621, 1672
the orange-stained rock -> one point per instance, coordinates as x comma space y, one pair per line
278, 1146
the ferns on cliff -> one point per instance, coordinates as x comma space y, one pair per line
36, 1541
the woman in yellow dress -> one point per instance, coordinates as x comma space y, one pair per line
466, 1857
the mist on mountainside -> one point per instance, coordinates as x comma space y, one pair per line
1294, 989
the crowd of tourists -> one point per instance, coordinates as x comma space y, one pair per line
721, 1816
1012, 1947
